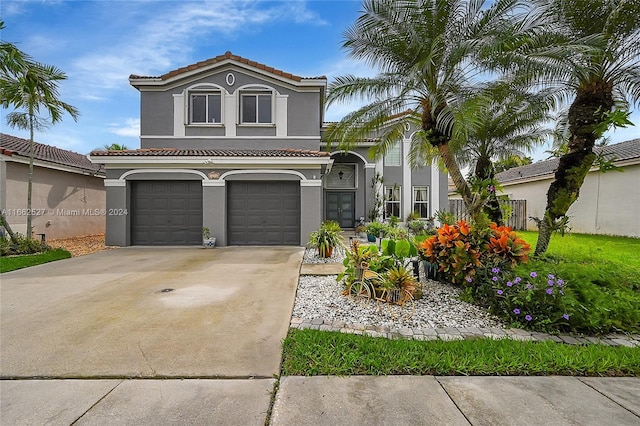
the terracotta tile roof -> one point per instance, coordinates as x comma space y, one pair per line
621, 151
13, 146
220, 58
171, 152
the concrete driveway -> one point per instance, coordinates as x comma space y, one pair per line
150, 312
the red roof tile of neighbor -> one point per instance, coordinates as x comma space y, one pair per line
220, 58
14, 146
171, 152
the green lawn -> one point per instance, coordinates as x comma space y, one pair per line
12, 263
603, 278
621, 251
313, 352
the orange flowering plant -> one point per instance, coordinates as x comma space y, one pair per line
460, 249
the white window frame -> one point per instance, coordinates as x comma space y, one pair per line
423, 202
393, 157
205, 92
389, 201
256, 92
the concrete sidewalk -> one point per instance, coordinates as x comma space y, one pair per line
357, 400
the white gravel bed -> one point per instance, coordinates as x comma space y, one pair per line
321, 297
311, 256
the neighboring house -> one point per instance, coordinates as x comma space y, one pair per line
235, 146
609, 203
68, 194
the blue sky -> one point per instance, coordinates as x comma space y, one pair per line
99, 43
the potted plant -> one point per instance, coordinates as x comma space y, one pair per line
326, 238
373, 230
207, 240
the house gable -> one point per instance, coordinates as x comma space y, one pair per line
225, 102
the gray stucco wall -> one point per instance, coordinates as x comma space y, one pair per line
157, 110
230, 143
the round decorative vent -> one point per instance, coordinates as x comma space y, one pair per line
231, 79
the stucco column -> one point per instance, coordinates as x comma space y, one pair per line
118, 226
434, 190
214, 210
369, 173
310, 208
407, 208
380, 169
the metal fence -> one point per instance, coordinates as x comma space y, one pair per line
517, 209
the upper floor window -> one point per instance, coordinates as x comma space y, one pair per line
255, 107
205, 107
393, 156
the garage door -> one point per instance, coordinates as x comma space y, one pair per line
263, 213
166, 213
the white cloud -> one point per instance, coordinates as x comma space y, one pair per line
161, 40
130, 128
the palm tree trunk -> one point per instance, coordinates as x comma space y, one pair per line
458, 180
485, 171
586, 112
5, 225
30, 184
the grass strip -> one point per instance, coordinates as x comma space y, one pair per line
12, 263
313, 352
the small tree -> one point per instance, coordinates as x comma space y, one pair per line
32, 89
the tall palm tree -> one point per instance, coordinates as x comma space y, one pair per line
424, 52
32, 87
601, 80
509, 123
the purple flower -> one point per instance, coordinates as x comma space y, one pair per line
500, 291
529, 286
517, 280
560, 283
469, 279
566, 316
495, 270
509, 284
549, 291
528, 317
551, 277
516, 311
550, 283
495, 279
533, 275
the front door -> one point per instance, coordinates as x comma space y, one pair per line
340, 207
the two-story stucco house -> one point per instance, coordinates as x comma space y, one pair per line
235, 146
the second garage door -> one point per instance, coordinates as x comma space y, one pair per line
166, 212
263, 213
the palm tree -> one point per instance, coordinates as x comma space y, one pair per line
509, 123
424, 52
115, 147
602, 81
32, 87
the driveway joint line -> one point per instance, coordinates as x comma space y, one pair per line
608, 397
453, 400
96, 403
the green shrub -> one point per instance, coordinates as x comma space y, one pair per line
533, 300
24, 246
598, 297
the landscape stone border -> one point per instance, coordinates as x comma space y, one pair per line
453, 333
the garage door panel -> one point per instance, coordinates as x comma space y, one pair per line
263, 213
166, 213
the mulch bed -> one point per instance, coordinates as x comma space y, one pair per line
79, 246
